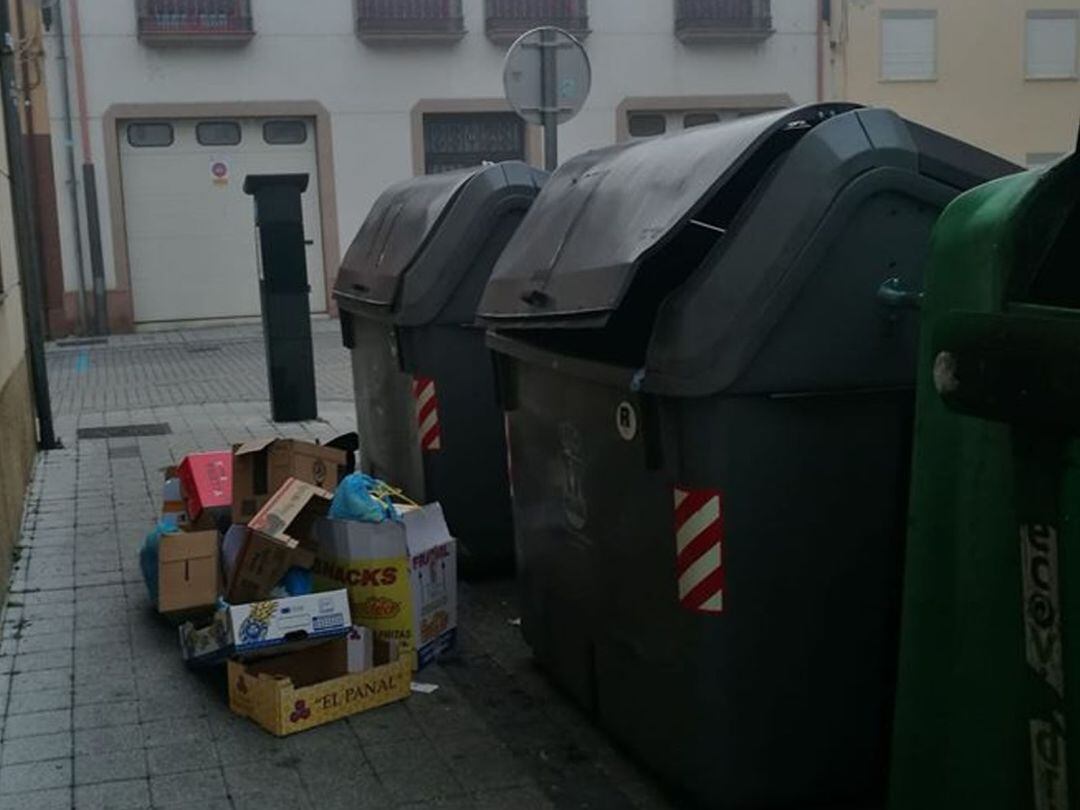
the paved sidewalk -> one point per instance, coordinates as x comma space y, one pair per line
97, 708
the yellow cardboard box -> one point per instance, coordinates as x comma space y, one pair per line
308, 688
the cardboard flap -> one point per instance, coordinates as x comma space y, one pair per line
425, 528
187, 546
292, 511
353, 539
253, 446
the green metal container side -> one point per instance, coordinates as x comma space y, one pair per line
973, 719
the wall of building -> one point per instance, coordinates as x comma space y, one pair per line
17, 439
309, 52
38, 152
980, 94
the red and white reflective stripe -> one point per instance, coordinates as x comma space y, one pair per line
699, 549
427, 413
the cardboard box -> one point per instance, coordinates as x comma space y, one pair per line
189, 573
261, 466
172, 498
401, 578
292, 693
264, 628
361, 647
207, 481
280, 536
260, 563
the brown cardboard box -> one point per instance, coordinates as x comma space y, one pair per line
261, 466
279, 537
301, 690
189, 574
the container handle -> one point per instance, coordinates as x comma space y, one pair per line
894, 294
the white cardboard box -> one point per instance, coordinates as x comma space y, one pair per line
401, 577
269, 627
361, 648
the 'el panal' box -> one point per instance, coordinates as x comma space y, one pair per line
301, 690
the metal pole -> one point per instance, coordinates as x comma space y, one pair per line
26, 245
72, 182
93, 222
549, 96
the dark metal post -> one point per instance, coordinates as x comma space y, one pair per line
283, 290
97, 261
549, 96
26, 244
93, 220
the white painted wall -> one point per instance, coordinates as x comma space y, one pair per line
308, 51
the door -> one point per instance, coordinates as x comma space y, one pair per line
190, 227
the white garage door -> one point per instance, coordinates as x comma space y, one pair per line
190, 227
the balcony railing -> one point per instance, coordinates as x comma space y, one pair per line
409, 19
509, 19
730, 20
194, 20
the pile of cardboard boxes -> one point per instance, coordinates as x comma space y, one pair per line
377, 600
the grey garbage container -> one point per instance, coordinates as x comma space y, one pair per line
706, 354
426, 404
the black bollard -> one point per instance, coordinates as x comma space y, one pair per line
283, 291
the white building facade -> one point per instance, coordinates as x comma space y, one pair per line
184, 98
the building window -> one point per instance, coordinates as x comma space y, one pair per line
150, 134
217, 133
461, 140
284, 132
650, 123
647, 125
1036, 159
909, 45
1050, 51
723, 20
193, 20
506, 20
700, 119
409, 19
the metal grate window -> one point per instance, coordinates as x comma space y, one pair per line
194, 19
460, 140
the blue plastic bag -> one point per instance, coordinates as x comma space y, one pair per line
354, 501
148, 555
296, 582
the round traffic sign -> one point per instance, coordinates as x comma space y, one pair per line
544, 64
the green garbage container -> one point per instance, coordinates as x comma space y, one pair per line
988, 700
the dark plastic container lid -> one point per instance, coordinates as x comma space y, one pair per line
423, 236
605, 210
680, 258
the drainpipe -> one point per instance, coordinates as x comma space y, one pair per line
93, 219
72, 182
26, 245
822, 13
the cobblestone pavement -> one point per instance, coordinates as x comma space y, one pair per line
97, 708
